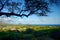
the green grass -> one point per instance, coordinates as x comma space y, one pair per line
29, 32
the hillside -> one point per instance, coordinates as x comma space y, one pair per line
29, 32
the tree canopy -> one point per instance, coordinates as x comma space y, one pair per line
38, 7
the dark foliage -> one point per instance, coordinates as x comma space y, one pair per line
29, 34
55, 34
38, 7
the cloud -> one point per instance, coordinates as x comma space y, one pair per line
30, 20
5, 19
50, 20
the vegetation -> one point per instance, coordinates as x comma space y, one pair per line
29, 32
38, 7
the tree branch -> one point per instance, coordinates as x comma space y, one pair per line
3, 4
9, 14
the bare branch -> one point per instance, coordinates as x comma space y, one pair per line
3, 5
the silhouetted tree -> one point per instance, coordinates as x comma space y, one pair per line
38, 7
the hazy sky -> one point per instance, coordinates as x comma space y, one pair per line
52, 18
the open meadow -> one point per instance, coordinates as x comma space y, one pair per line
29, 32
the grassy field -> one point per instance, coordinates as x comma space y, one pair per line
29, 32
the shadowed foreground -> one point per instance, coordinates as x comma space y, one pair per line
30, 33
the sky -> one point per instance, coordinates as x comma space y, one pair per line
52, 18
